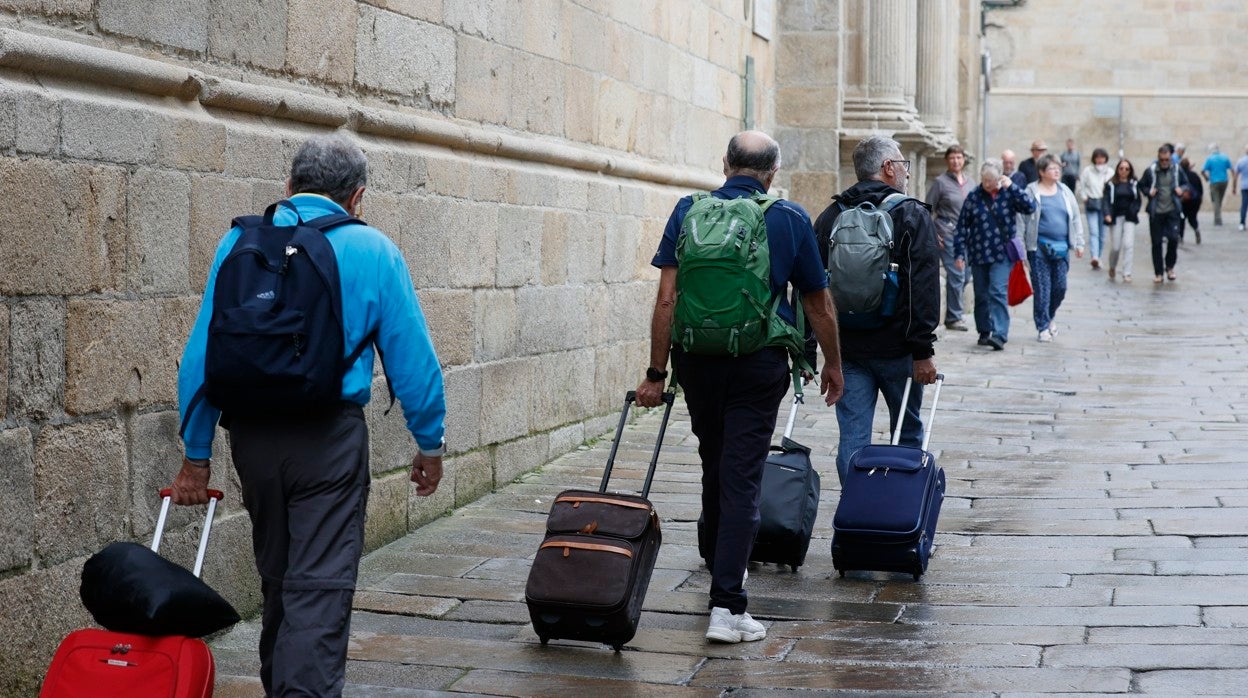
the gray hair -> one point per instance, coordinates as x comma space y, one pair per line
991, 166
331, 165
870, 154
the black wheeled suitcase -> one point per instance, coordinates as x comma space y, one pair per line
590, 574
788, 503
890, 502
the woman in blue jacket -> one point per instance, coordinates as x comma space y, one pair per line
1052, 230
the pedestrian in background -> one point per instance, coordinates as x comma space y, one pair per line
985, 228
1164, 183
1122, 213
1070, 164
1052, 229
1217, 172
1191, 197
1028, 167
945, 196
1089, 189
1241, 186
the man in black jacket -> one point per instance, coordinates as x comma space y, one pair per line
879, 360
1164, 183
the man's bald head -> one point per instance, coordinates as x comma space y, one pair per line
753, 154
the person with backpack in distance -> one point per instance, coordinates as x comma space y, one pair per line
986, 228
1164, 184
282, 353
722, 312
873, 236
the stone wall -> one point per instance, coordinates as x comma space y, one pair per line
524, 155
1063, 67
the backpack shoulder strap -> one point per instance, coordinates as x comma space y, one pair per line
764, 201
699, 195
333, 220
892, 200
246, 222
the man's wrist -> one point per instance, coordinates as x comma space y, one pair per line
197, 462
655, 375
437, 452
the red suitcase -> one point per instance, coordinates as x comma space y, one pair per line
106, 664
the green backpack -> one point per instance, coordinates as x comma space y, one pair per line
724, 303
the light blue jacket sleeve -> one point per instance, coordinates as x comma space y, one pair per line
201, 428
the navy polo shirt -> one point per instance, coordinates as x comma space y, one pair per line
790, 238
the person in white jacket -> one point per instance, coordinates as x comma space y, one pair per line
1089, 190
1051, 231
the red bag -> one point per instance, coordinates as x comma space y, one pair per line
106, 664
1019, 287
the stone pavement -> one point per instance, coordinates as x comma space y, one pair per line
1093, 540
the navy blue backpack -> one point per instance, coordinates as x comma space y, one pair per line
275, 339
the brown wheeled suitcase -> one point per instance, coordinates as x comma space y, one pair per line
589, 577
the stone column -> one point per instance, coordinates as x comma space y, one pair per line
885, 40
938, 54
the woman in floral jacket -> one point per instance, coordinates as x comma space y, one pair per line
984, 229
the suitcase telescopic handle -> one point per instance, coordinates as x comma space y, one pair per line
905, 401
669, 398
166, 495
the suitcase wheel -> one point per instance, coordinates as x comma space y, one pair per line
544, 640
842, 573
917, 575
617, 648
794, 568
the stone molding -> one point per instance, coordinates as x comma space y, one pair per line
43, 55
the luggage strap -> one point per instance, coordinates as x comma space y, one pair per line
567, 546
577, 500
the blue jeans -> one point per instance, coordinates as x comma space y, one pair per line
1096, 233
992, 308
1048, 286
865, 379
1243, 205
955, 282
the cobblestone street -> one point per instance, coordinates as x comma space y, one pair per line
1093, 539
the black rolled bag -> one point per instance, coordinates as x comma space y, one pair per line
130, 589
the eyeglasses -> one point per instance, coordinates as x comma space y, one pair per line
904, 163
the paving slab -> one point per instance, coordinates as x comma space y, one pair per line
1094, 539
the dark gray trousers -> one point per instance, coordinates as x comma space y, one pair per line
305, 485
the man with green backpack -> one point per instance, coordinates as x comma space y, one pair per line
727, 259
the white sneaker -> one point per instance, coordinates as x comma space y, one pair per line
1241, 227
1053, 328
727, 627
1045, 336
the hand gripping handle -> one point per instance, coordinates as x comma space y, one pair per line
167, 495
669, 398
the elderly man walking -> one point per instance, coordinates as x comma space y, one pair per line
302, 460
733, 395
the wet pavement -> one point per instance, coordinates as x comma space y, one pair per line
1093, 540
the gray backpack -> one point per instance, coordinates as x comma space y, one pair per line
861, 275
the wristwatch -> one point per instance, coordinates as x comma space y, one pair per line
654, 375
434, 453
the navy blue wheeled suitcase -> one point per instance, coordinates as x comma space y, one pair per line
890, 502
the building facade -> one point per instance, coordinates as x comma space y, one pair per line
524, 155
1123, 75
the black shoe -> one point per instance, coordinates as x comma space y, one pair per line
1197, 236
983, 340
996, 343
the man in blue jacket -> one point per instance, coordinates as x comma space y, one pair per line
305, 479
